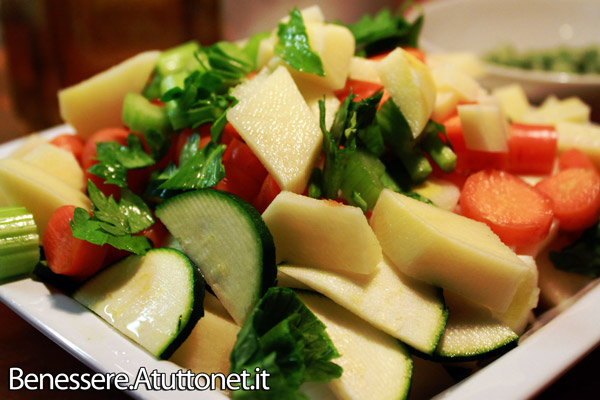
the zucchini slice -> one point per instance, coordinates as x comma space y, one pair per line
472, 332
376, 366
228, 241
404, 308
155, 299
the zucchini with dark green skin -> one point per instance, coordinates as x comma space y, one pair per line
229, 242
155, 299
472, 332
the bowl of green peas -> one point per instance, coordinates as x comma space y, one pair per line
550, 47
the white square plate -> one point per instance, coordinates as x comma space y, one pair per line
521, 373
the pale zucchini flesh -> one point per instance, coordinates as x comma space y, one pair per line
472, 332
228, 241
155, 300
376, 366
411, 311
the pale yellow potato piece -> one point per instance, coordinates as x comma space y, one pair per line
322, 234
362, 69
466, 62
249, 88
22, 184
442, 193
280, 128
312, 94
513, 100
411, 87
583, 137
209, 345
445, 105
447, 250
311, 14
57, 162
554, 111
376, 366
266, 50
407, 309
335, 45
450, 79
525, 300
98, 101
484, 126
30, 143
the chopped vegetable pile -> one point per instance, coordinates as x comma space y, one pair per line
317, 201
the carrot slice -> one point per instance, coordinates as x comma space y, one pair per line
575, 158
575, 194
513, 209
67, 255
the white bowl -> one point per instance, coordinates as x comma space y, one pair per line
482, 25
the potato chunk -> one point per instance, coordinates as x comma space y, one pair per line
322, 234
98, 101
447, 250
280, 128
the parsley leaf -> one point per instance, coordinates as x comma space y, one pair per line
114, 160
293, 46
384, 32
581, 257
350, 119
199, 168
283, 337
195, 102
229, 61
114, 223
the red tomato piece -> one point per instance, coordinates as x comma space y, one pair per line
230, 133
268, 191
240, 156
117, 134
361, 89
454, 132
203, 131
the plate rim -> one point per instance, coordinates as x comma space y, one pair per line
490, 380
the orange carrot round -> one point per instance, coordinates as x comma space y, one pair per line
67, 255
575, 194
575, 158
513, 209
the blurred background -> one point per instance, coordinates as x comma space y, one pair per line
46, 45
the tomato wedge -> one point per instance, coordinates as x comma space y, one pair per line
268, 191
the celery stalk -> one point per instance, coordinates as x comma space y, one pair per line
19, 242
